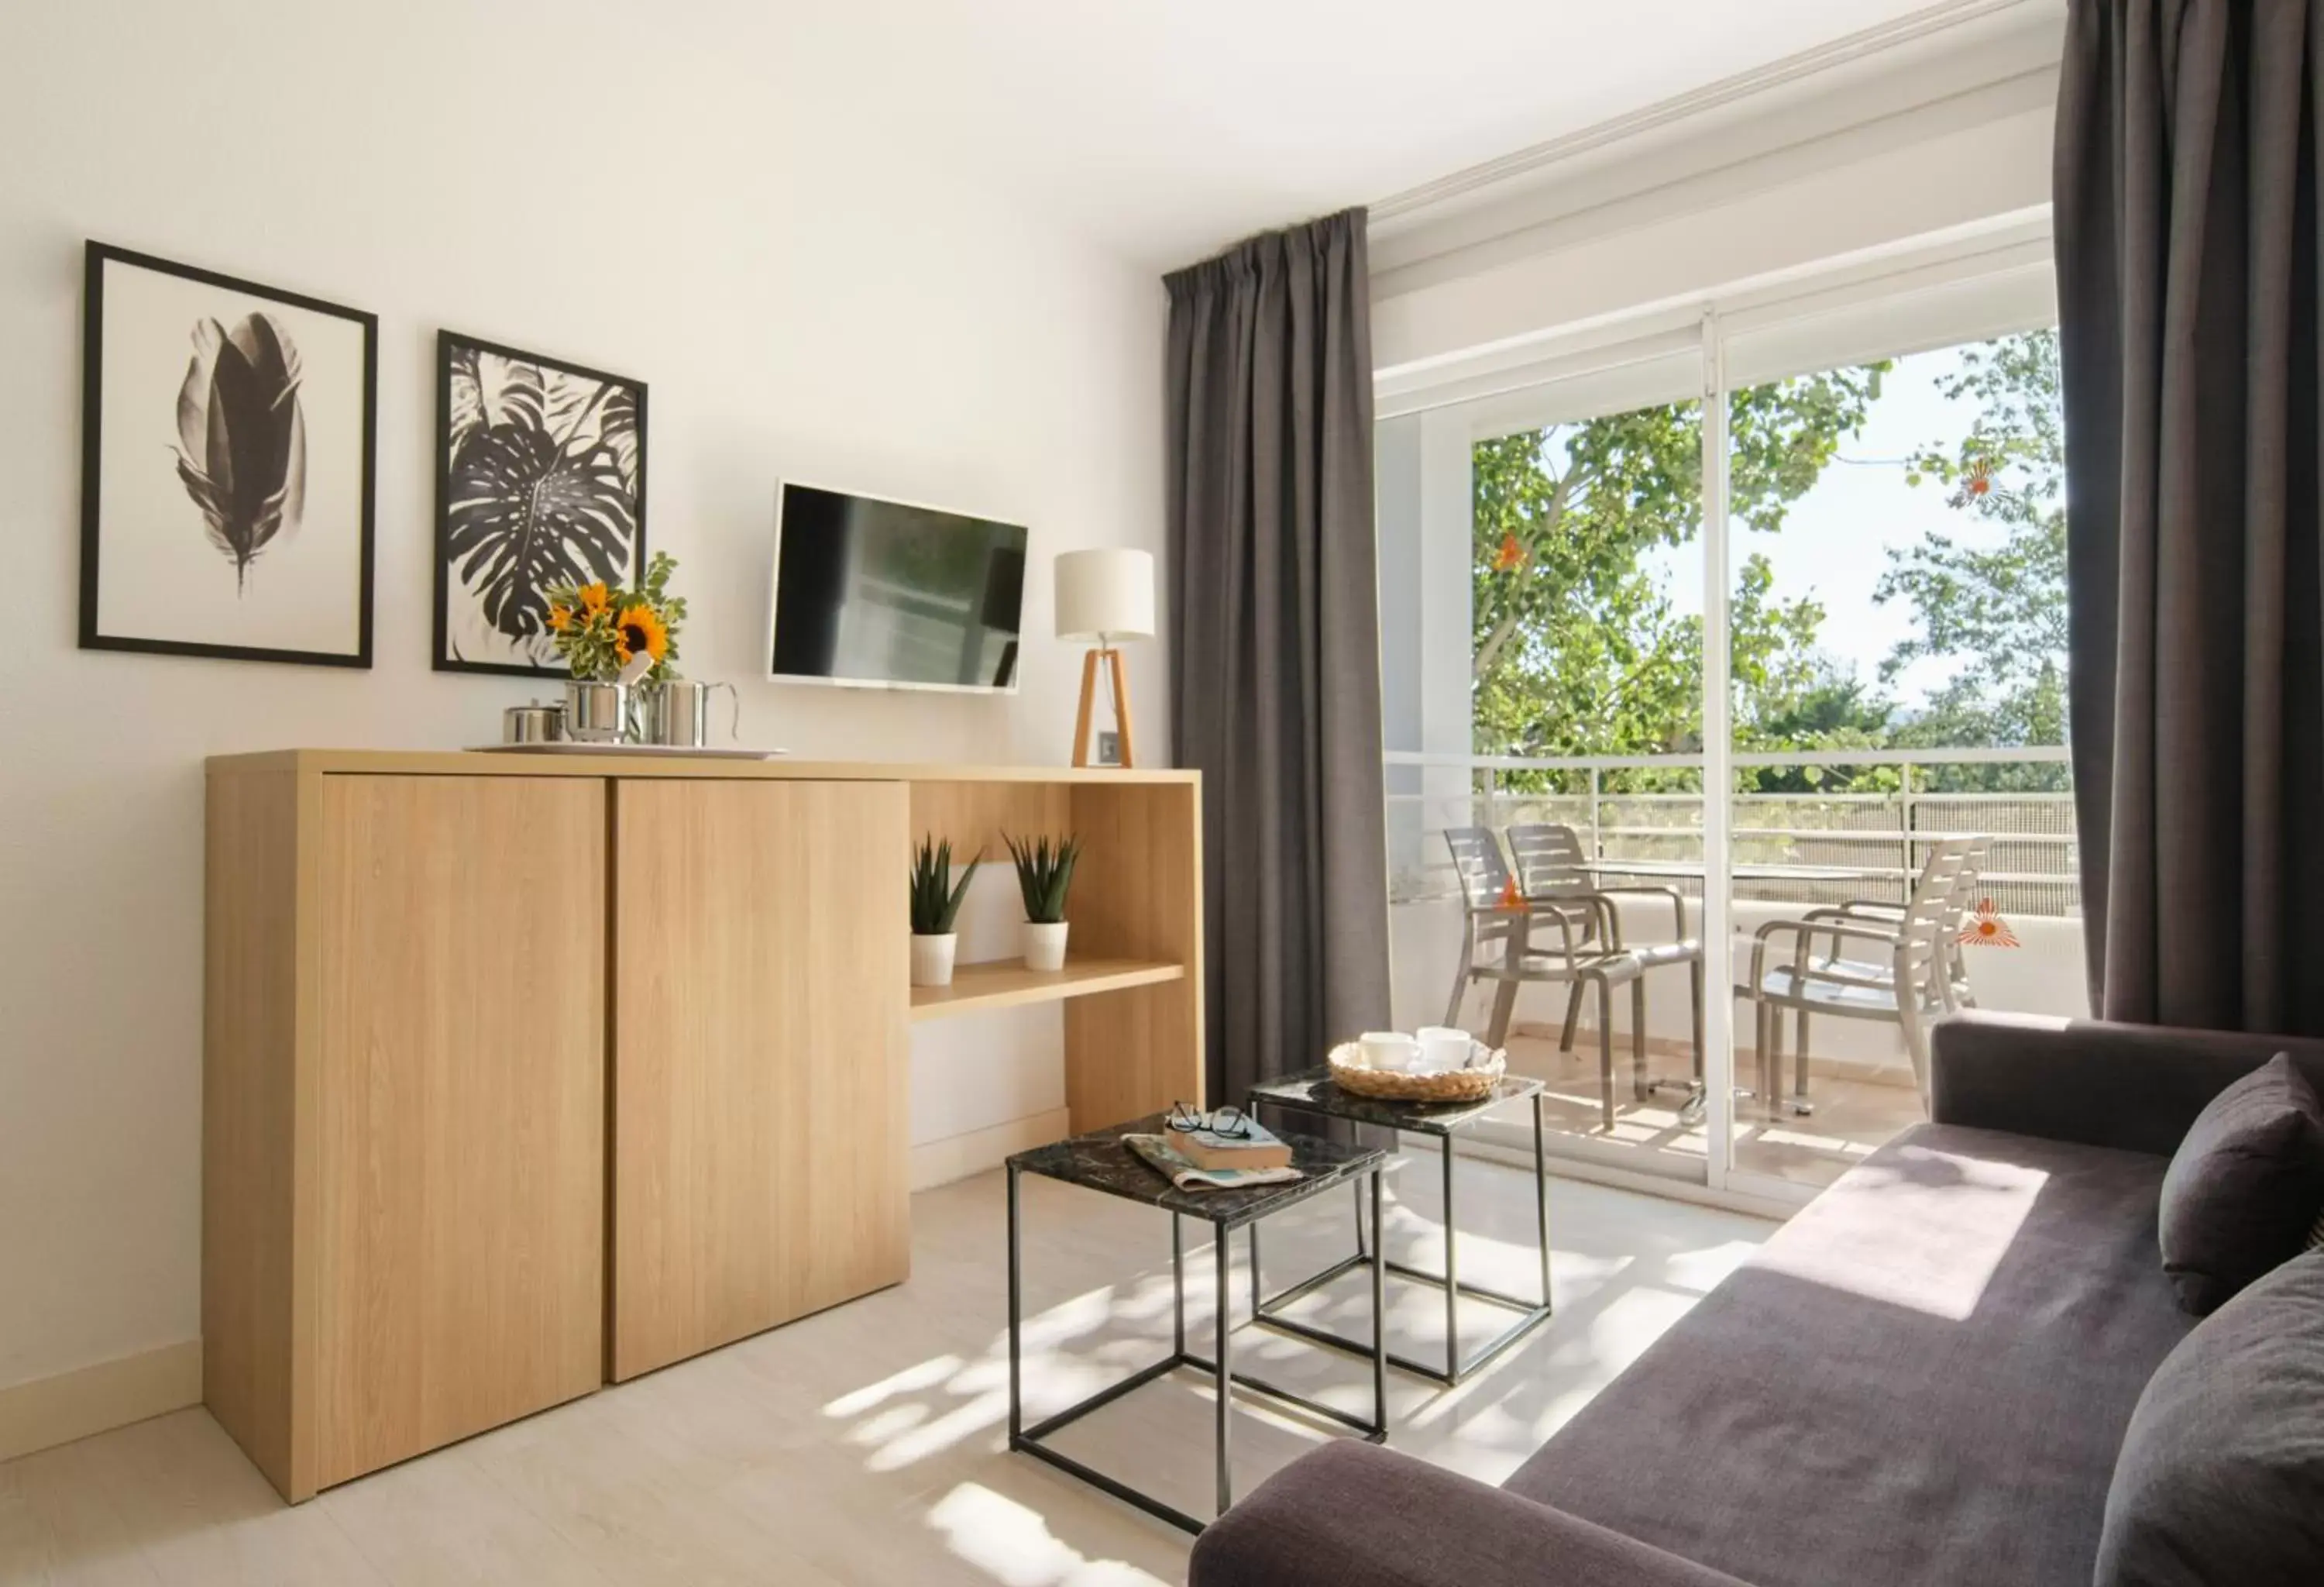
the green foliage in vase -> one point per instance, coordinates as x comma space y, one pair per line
1044, 870
600, 628
936, 897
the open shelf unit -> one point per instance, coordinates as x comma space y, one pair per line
1001, 984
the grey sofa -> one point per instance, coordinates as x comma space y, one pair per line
1922, 1378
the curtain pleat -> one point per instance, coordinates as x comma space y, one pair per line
1275, 625
2186, 222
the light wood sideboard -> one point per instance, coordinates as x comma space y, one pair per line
527, 1073
759, 1111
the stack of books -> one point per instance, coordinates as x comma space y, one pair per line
1253, 1146
1205, 1159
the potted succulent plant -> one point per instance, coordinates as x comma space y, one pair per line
935, 907
1045, 871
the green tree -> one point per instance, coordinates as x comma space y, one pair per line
1991, 600
1833, 710
1578, 649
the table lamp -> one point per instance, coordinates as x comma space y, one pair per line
1102, 597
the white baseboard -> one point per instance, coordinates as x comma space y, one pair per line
50, 1411
956, 1157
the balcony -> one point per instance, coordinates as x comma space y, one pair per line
1791, 851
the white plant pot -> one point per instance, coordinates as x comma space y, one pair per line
1045, 945
932, 959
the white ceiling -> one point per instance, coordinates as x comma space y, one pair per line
1169, 128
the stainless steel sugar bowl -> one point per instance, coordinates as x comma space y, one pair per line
533, 723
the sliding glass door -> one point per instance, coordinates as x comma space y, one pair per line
1902, 811
1749, 633
1543, 610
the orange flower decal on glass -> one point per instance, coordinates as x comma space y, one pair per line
1987, 929
1510, 556
1510, 898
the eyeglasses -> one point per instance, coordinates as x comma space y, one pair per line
1230, 1122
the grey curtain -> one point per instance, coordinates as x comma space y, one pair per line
2186, 216
1275, 643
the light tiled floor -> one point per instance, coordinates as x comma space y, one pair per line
866, 1444
1853, 1114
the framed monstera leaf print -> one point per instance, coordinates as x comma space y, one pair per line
540, 477
226, 457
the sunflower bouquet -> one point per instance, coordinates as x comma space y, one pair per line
601, 630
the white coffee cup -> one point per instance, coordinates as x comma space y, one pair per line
1391, 1051
1441, 1047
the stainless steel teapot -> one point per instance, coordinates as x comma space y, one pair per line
675, 712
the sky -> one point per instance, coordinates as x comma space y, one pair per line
1834, 540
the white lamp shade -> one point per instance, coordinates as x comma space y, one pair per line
1105, 595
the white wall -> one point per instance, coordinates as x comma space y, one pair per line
1741, 236
1948, 135
635, 189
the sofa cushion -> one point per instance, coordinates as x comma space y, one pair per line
1351, 1514
1932, 1365
2244, 1186
2221, 1476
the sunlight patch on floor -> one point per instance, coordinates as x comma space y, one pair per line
927, 1374
1696, 1272
1013, 1545
937, 1404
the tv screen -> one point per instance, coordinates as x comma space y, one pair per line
882, 593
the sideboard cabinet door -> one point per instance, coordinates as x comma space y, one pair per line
760, 944
460, 1161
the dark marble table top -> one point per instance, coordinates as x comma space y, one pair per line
1100, 1161
1311, 1091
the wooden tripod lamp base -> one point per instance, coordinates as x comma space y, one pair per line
1085, 721
1104, 597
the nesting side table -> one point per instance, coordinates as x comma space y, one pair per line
1312, 1092
1101, 1161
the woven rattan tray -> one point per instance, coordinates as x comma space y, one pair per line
1351, 1075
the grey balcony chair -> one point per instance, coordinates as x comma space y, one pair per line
1580, 936
1553, 869
1902, 981
1887, 912
1952, 983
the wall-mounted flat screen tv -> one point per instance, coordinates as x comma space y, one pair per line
886, 595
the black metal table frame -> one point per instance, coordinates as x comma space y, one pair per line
1268, 1311
1029, 1440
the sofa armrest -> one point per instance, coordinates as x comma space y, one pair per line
1355, 1514
2137, 1087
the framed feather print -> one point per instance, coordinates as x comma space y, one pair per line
227, 435
541, 481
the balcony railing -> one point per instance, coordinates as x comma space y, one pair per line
1879, 839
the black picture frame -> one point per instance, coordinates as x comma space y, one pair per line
449, 347
97, 257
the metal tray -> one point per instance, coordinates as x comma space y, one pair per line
570, 747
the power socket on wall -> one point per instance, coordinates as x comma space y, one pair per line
1109, 747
